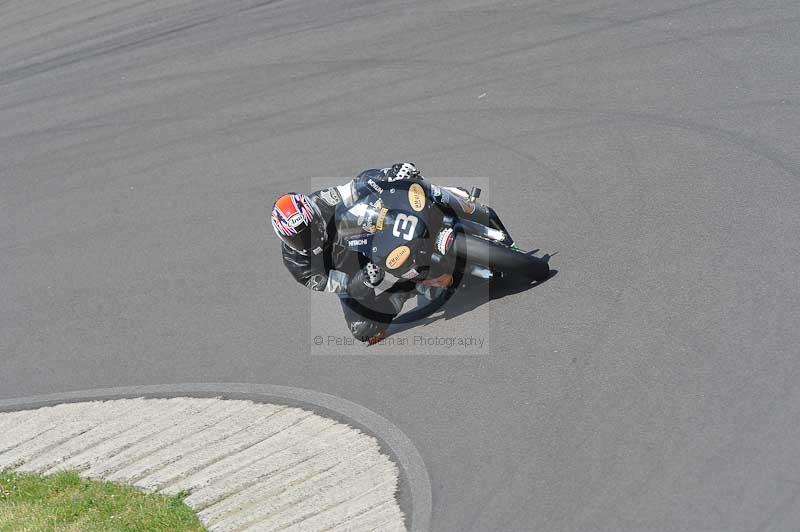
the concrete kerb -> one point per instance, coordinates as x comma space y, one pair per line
414, 494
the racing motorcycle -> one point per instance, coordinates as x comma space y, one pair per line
435, 236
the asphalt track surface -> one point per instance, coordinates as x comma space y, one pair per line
652, 385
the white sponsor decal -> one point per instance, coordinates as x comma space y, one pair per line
375, 186
330, 196
359, 242
410, 274
295, 220
316, 282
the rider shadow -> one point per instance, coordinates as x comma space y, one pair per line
462, 301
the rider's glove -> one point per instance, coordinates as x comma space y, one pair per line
363, 283
402, 171
373, 274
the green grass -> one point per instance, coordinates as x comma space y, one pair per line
64, 502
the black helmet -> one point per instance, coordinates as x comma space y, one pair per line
298, 222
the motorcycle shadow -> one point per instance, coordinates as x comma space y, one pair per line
462, 301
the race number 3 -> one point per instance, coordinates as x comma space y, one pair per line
404, 226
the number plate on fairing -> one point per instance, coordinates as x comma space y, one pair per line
401, 212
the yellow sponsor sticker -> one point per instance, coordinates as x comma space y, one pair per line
397, 257
381, 216
416, 197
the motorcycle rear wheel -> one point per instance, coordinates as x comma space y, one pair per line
500, 258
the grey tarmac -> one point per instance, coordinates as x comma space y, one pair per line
653, 384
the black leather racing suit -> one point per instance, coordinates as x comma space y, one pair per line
330, 268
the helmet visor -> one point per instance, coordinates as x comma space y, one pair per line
312, 237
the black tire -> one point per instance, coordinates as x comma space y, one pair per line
499, 257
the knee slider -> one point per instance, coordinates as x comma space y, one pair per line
363, 330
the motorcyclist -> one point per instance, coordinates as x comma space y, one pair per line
318, 258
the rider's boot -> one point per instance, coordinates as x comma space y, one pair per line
377, 338
429, 292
